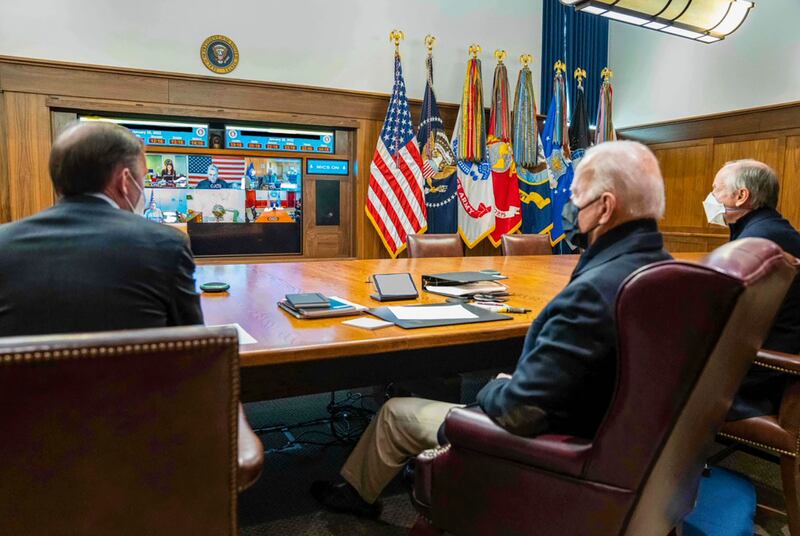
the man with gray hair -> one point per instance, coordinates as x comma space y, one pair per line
566, 374
745, 198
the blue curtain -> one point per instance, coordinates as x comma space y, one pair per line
579, 40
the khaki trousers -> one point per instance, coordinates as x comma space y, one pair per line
403, 428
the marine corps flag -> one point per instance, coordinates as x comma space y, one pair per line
395, 205
556, 150
507, 214
438, 161
605, 124
474, 173
532, 172
579, 126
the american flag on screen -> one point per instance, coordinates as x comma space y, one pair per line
395, 203
231, 168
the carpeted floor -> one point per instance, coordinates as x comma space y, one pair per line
279, 503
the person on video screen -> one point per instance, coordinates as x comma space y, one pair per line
213, 182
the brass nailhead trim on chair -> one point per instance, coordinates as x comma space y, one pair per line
759, 445
774, 367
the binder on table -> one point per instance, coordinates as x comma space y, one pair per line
464, 284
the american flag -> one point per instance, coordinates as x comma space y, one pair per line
394, 200
231, 168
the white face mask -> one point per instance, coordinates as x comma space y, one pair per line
715, 211
139, 208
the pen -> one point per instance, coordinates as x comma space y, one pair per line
503, 308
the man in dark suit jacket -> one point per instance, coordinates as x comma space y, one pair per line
745, 196
92, 262
566, 374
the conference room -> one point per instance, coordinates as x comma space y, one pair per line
456, 267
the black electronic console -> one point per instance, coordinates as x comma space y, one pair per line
394, 287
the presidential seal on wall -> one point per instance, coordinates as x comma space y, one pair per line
219, 54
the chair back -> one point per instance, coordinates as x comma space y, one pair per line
687, 334
434, 245
526, 244
127, 432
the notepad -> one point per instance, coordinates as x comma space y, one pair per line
449, 312
367, 323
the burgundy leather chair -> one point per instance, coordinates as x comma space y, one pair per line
127, 432
687, 335
526, 244
435, 245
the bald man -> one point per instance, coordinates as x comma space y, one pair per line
565, 376
744, 197
92, 262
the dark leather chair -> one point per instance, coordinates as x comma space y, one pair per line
526, 244
435, 245
775, 437
127, 432
687, 335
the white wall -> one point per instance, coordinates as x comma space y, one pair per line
659, 77
329, 43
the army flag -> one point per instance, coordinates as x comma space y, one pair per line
438, 164
505, 186
579, 125
395, 203
557, 153
605, 124
532, 173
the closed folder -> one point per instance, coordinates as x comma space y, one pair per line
459, 278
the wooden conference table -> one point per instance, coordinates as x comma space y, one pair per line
293, 357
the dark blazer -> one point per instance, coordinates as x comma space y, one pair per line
83, 265
762, 389
566, 374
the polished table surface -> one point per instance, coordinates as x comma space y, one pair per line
284, 340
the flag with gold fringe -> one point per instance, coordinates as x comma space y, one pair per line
507, 213
557, 153
438, 160
605, 124
474, 186
395, 203
532, 172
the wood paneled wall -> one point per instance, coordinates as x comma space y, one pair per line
691, 151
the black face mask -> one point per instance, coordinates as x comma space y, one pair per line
569, 221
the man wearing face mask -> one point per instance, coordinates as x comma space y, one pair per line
744, 197
565, 377
92, 262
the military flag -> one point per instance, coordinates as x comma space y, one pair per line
505, 186
557, 153
605, 124
438, 160
579, 125
532, 172
395, 203
474, 173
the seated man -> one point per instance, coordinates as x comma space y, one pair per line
92, 262
565, 376
745, 197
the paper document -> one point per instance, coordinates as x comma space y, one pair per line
447, 312
244, 337
368, 323
479, 287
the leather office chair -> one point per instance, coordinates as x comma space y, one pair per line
775, 437
435, 245
687, 335
127, 432
526, 244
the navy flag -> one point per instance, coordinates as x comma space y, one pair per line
579, 126
438, 164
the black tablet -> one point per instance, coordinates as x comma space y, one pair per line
394, 287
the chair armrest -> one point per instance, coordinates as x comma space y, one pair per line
251, 454
470, 428
789, 363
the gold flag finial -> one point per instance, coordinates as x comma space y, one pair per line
526, 59
429, 42
474, 50
500, 55
606, 74
395, 36
580, 76
560, 67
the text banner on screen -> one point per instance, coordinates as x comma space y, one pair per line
327, 167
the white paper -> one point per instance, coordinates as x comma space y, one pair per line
446, 312
368, 323
244, 337
478, 287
